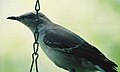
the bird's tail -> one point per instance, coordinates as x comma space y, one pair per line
108, 66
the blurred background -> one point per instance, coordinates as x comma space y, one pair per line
97, 21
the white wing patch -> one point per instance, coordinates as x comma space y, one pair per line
99, 68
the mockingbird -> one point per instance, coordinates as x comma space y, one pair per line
66, 49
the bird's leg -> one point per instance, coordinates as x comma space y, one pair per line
71, 70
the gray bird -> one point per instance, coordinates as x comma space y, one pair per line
65, 48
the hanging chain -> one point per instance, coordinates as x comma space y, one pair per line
35, 55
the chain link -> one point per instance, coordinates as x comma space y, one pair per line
35, 55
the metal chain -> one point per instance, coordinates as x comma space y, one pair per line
35, 55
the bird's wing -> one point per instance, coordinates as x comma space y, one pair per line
57, 38
64, 39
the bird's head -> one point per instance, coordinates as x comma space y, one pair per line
31, 19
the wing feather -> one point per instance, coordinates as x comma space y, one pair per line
64, 39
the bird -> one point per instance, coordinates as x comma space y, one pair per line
65, 48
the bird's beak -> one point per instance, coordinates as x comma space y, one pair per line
12, 18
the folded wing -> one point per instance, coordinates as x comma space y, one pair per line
64, 39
